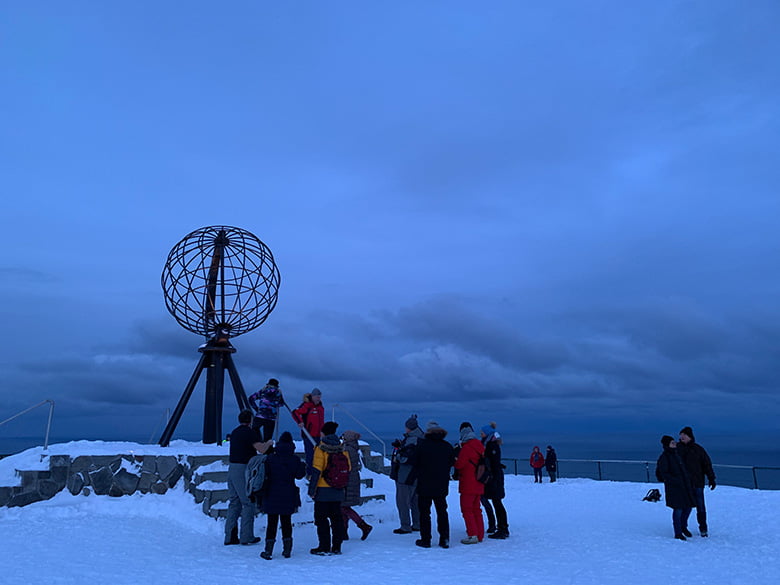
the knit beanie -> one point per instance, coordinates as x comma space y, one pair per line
688, 431
489, 431
466, 434
431, 426
665, 440
316, 392
329, 428
465, 424
285, 437
411, 423
273, 382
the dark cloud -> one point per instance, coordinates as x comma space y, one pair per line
551, 212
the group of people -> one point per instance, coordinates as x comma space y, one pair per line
548, 462
423, 463
683, 467
332, 467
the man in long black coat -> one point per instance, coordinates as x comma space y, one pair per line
699, 465
433, 459
677, 486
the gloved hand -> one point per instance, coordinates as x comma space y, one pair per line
712, 484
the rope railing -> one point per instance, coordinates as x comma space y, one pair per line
48, 422
372, 433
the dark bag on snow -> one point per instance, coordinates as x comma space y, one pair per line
653, 495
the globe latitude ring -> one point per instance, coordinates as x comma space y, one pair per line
220, 280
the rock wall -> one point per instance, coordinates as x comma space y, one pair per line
113, 475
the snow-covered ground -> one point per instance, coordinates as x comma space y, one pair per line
577, 531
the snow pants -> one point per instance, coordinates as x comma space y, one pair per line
472, 515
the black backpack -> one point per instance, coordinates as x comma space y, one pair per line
653, 495
336, 472
483, 470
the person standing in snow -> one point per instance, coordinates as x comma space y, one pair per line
352, 495
699, 466
432, 461
498, 525
551, 463
310, 416
677, 486
245, 443
281, 497
265, 403
327, 499
471, 490
537, 463
402, 471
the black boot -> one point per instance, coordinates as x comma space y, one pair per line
501, 533
336, 548
233, 538
365, 528
286, 547
269, 549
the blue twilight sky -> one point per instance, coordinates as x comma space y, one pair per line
552, 215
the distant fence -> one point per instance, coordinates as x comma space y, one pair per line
754, 477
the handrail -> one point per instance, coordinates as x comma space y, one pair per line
373, 434
165, 417
598, 462
48, 423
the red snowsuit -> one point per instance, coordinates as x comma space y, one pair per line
470, 489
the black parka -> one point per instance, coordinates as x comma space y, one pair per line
494, 489
433, 459
677, 485
697, 463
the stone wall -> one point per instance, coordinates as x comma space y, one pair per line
113, 475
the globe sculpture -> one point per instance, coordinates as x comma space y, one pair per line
219, 282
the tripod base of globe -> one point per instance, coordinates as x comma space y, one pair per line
216, 359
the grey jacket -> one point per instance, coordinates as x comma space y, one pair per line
406, 458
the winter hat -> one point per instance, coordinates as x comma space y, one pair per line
411, 423
273, 382
688, 431
329, 428
349, 436
245, 416
549, 447
431, 426
489, 430
665, 440
466, 434
465, 424
285, 437
316, 392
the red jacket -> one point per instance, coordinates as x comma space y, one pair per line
312, 416
466, 464
537, 459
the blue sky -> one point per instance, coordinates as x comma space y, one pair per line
550, 216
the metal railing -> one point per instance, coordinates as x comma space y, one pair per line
372, 433
163, 421
749, 476
48, 423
